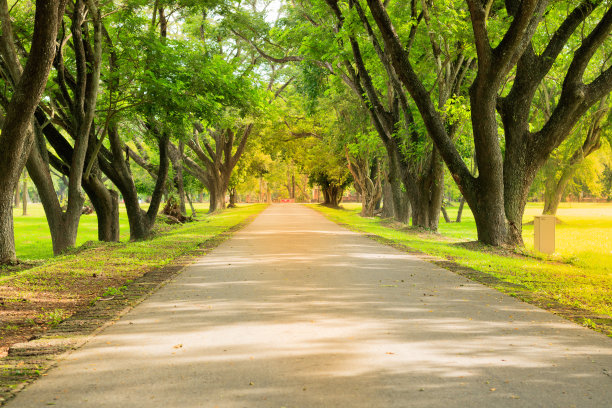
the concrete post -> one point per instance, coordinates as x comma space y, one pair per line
544, 231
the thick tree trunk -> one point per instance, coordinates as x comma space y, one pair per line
106, 204
520, 169
401, 204
177, 166
118, 170
333, 195
7, 236
427, 194
137, 218
30, 83
388, 211
232, 198
217, 196
63, 226
366, 180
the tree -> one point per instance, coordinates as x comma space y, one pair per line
74, 101
218, 159
562, 167
497, 196
29, 83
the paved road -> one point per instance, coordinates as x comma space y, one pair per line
295, 311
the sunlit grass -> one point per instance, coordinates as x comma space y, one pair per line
83, 275
33, 239
579, 274
128, 259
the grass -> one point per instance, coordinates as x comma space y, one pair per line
33, 239
576, 280
40, 297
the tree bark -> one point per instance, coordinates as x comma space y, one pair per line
17, 195
117, 169
29, 84
388, 210
445, 214
232, 198
177, 165
369, 189
25, 194
193, 210
427, 194
106, 204
460, 210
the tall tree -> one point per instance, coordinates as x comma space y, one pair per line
509, 56
74, 102
29, 84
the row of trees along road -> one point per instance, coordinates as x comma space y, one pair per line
169, 97
102, 93
514, 78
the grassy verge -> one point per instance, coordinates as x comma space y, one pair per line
36, 299
574, 288
33, 239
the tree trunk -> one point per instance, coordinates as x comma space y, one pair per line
118, 170
366, 179
30, 81
177, 166
217, 196
520, 169
427, 194
62, 225
333, 195
25, 194
232, 198
17, 196
388, 210
106, 204
193, 211
445, 214
292, 186
553, 196
460, 210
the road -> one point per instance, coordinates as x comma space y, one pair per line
295, 311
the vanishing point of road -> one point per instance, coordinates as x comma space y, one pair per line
295, 311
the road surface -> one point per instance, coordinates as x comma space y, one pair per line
295, 311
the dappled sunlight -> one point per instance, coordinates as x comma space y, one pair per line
271, 320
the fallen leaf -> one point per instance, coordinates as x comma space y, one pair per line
178, 346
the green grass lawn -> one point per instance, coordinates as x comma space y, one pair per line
33, 239
578, 275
